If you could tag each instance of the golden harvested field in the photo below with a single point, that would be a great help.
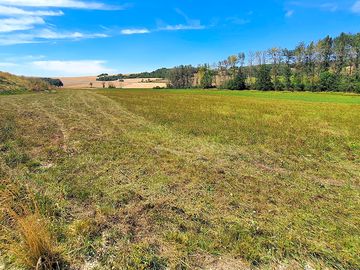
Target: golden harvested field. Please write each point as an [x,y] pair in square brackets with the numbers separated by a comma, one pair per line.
[84,82]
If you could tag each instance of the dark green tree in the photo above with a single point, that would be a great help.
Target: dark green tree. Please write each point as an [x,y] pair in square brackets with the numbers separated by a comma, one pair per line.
[328,81]
[238,82]
[263,78]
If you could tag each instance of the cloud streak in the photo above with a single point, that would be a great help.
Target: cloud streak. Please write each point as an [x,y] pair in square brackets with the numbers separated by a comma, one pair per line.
[72,68]
[17,24]
[356,7]
[45,35]
[14,11]
[58,3]
[135,31]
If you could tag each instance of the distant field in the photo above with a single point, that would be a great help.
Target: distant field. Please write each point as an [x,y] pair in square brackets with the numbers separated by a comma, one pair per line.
[181,179]
[84,82]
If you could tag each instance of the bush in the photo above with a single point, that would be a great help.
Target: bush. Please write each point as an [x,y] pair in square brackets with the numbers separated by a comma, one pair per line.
[111,86]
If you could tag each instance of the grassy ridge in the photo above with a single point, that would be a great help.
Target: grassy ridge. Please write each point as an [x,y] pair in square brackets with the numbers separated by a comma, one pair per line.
[11,84]
[153,179]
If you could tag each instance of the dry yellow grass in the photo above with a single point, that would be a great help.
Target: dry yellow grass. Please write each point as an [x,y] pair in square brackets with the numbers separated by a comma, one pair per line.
[26,236]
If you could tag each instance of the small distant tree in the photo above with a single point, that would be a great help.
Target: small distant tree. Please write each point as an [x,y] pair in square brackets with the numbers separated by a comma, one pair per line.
[91,85]
[263,80]
[111,85]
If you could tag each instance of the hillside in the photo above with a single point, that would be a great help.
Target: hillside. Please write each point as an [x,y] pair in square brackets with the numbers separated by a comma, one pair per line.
[208,180]
[12,83]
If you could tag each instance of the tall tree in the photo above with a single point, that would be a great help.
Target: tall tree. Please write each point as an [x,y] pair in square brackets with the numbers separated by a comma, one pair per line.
[263,78]
[288,56]
[325,49]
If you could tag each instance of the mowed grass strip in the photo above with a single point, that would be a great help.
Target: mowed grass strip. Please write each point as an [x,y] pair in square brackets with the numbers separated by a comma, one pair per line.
[150,179]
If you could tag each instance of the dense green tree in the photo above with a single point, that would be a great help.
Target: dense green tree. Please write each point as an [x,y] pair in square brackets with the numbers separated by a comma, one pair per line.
[263,78]
[207,75]
[288,56]
[238,82]
[328,81]
[325,53]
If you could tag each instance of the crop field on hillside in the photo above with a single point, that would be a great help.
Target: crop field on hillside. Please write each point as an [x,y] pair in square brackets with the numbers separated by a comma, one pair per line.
[179,179]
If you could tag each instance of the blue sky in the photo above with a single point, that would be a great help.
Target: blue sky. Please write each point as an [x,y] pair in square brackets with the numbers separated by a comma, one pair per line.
[75,38]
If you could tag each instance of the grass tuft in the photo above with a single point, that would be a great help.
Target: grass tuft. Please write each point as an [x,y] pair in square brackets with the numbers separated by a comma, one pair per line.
[26,234]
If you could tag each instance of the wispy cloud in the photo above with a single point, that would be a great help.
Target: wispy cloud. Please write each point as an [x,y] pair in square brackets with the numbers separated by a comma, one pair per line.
[21,20]
[135,31]
[16,24]
[59,3]
[356,7]
[45,35]
[72,68]
[7,64]
[237,20]
[50,34]
[326,6]
[178,27]
[190,24]
[289,13]
[15,11]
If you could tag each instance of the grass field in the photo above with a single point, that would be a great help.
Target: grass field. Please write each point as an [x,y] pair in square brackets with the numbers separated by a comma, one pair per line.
[180,179]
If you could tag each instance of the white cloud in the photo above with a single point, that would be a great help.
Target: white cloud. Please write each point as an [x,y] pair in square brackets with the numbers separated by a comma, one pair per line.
[237,20]
[356,7]
[20,18]
[329,6]
[57,3]
[50,34]
[7,64]
[16,24]
[71,68]
[190,24]
[45,35]
[289,13]
[135,31]
[181,27]
[14,11]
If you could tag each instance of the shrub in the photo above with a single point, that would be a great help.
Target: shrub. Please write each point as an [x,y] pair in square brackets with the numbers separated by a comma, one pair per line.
[111,86]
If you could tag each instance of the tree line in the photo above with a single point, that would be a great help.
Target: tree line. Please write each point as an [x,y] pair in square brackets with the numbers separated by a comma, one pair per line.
[159,73]
[329,64]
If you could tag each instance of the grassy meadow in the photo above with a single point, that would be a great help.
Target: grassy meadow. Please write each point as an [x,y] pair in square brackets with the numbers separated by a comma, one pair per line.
[179,179]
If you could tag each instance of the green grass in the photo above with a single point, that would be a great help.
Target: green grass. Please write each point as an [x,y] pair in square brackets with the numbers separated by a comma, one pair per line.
[332,97]
[187,179]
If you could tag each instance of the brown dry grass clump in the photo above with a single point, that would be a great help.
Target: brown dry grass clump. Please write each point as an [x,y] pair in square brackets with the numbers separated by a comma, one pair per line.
[25,233]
